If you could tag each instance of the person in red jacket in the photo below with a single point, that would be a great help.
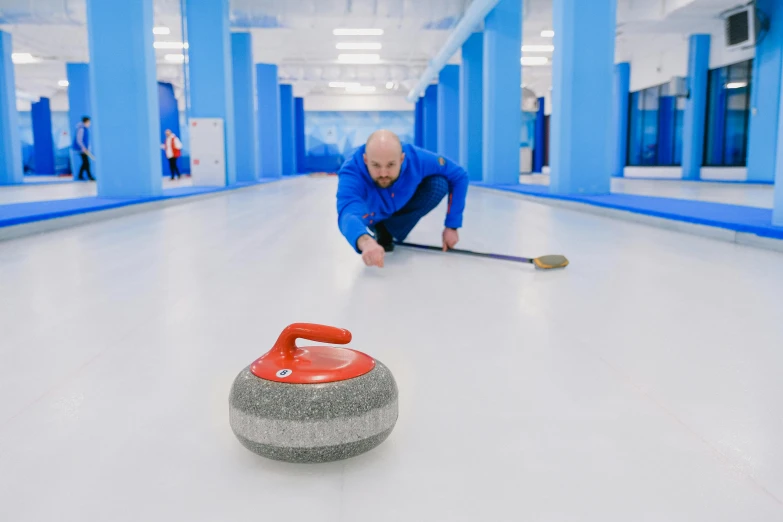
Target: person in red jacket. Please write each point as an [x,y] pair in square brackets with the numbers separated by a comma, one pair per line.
[173,148]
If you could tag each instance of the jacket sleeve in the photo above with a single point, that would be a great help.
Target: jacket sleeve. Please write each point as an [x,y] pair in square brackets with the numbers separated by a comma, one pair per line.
[351,207]
[457,177]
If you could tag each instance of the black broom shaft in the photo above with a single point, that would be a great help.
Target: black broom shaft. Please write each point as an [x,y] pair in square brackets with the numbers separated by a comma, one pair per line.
[471,253]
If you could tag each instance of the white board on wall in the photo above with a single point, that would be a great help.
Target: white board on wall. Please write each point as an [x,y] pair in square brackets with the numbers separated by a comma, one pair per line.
[207,152]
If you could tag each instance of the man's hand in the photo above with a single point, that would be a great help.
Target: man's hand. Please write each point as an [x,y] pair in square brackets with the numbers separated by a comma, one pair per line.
[450,238]
[372,252]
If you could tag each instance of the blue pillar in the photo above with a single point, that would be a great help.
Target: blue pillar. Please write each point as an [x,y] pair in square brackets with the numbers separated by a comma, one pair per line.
[621,93]
[126,131]
[667,106]
[430,119]
[209,70]
[299,135]
[471,120]
[764,95]
[10,143]
[287,129]
[694,118]
[448,112]
[270,147]
[582,150]
[244,107]
[538,139]
[79,103]
[418,123]
[502,118]
[43,141]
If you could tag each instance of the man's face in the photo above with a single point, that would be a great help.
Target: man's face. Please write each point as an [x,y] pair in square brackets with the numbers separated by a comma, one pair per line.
[168,132]
[87,123]
[384,165]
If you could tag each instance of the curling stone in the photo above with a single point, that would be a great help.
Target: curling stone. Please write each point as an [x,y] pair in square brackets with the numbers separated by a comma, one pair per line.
[313,403]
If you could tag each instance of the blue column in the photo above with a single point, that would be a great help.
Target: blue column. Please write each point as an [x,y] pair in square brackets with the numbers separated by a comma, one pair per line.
[270,146]
[418,123]
[448,112]
[126,131]
[244,107]
[502,118]
[694,118]
[582,150]
[538,139]
[764,95]
[209,70]
[10,143]
[430,119]
[667,105]
[287,129]
[43,141]
[621,93]
[79,102]
[471,120]
[299,135]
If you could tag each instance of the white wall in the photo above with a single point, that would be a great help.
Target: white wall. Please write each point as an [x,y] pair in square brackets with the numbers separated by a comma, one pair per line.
[359,102]
[666,56]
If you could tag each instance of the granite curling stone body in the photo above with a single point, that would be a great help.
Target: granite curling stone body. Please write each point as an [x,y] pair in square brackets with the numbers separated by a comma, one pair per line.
[314,403]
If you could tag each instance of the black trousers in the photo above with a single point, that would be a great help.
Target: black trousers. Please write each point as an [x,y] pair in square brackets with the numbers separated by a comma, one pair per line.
[85,167]
[173,167]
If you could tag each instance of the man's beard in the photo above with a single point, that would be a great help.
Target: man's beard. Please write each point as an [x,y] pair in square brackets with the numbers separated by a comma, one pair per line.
[390,183]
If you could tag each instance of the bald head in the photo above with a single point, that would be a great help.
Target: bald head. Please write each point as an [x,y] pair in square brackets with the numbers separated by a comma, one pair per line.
[383,156]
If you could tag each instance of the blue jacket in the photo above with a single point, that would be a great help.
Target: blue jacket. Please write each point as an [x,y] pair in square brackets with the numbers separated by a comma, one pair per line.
[360,202]
[82,136]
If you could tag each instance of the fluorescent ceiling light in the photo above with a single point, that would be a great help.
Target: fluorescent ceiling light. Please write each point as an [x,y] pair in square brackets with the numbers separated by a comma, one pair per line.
[161,30]
[63,83]
[538,48]
[170,45]
[178,58]
[358,58]
[357,32]
[548,33]
[344,84]
[359,46]
[360,89]
[390,85]
[20,58]
[736,85]
[534,60]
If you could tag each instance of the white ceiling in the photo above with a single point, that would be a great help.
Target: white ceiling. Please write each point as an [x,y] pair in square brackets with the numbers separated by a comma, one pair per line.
[297,35]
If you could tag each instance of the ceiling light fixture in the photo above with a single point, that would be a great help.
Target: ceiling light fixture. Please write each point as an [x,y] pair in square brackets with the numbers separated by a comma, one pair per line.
[176,58]
[390,85]
[161,29]
[358,58]
[548,33]
[357,32]
[63,83]
[736,85]
[358,46]
[23,58]
[534,60]
[538,48]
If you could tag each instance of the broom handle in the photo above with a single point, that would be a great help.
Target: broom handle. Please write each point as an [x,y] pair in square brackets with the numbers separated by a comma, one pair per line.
[471,253]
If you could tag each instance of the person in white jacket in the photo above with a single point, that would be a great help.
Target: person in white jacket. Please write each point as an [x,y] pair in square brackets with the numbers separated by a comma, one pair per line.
[173,148]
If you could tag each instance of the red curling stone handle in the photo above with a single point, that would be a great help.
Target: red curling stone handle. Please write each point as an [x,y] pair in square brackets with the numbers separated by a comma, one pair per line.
[286,343]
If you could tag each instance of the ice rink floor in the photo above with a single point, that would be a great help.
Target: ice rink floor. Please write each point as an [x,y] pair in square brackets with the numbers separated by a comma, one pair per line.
[640,383]
[730,193]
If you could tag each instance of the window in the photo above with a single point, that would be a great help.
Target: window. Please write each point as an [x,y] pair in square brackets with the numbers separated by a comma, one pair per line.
[655,128]
[728,108]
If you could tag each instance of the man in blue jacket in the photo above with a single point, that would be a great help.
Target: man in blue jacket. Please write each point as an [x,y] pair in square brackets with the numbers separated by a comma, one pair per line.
[81,144]
[387,187]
